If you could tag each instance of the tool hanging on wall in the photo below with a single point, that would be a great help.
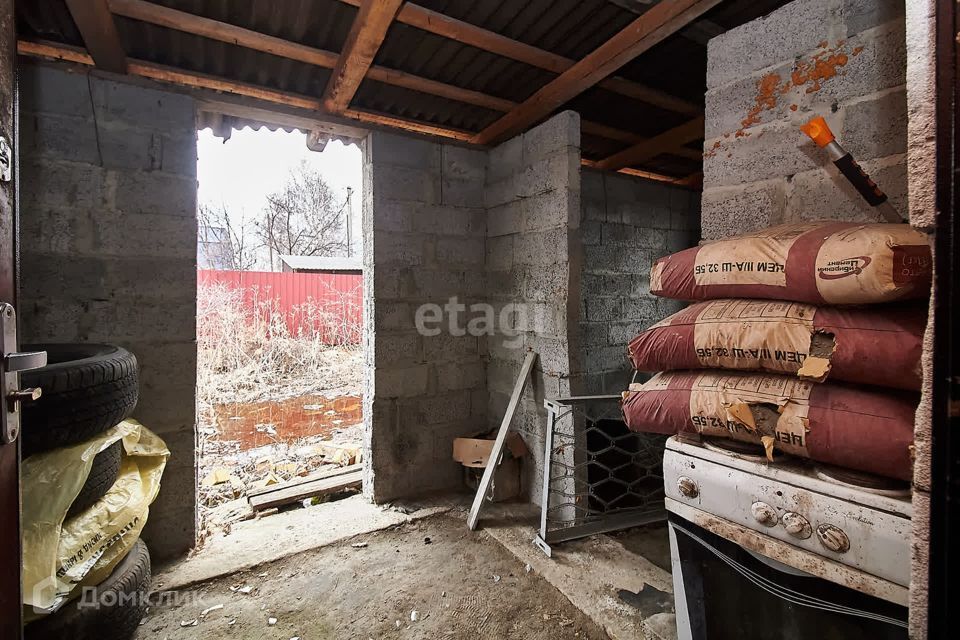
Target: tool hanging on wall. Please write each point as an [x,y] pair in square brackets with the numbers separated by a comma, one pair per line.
[820,133]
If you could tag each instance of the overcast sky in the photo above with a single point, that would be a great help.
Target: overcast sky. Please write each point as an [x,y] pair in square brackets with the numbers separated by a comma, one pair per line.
[242,171]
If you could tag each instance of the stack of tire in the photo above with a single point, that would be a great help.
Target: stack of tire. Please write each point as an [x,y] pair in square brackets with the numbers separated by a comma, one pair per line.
[804,339]
[87,389]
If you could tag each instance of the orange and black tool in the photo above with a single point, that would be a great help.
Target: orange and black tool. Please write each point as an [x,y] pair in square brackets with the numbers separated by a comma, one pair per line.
[820,133]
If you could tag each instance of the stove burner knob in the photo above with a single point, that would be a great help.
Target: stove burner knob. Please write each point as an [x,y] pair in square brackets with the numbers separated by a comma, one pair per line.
[833,538]
[796,525]
[687,487]
[764,513]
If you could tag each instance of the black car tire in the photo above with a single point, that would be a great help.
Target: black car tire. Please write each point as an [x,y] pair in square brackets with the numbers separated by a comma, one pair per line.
[103,474]
[121,603]
[86,389]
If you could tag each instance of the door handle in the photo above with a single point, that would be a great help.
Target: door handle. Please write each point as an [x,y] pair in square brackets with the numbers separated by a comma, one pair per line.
[13,363]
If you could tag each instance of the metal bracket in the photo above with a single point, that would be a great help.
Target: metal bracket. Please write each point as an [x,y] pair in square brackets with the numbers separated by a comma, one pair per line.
[543,546]
[11,395]
[6,160]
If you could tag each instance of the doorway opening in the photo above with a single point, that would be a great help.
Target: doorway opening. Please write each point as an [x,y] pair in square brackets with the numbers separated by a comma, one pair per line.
[279,324]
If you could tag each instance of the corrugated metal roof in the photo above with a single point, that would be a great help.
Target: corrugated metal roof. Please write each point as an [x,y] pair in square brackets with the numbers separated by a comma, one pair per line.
[322,263]
[570,28]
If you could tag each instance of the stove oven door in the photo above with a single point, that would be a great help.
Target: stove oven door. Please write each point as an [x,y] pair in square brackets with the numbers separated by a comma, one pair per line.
[722,591]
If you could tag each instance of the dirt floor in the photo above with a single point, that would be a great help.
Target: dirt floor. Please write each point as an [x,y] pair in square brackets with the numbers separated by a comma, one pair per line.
[427,579]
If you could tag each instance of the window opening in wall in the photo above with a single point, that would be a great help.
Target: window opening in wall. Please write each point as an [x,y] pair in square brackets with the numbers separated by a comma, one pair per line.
[279,329]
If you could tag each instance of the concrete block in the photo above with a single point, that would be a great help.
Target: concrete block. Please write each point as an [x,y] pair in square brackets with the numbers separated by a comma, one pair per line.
[455,250]
[621,333]
[877,126]
[406,382]
[601,309]
[58,231]
[138,104]
[643,213]
[772,151]
[437,284]
[880,64]
[505,219]
[678,241]
[59,137]
[504,160]
[137,192]
[394,215]
[547,282]
[446,347]
[553,354]
[541,248]
[642,309]
[55,319]
[455,376]
[116,235]
[609,259]
[505,347]
[398,349]
[860,15]
[443,220]
[54,90]
[180,155]
[731,211]
[408,249]
[393,316]
[594,334]
[463,163]
[688,220]
[789,31]
[558,171]
[462,192]
[501,192]
[590,232]
[57,185]
[449,407]
[388,148]
[640,285]
[406,184]
[606,284]
[499,253]
[824,194]
[599,359]
[553,136]
[127,147]
[506,284]
[548,210]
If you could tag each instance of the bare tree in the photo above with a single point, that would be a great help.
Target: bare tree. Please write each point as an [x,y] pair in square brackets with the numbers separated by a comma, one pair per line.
[303,218]
[226,243]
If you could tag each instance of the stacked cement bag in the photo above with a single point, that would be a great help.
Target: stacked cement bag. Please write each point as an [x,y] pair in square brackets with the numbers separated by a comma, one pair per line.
[782,363]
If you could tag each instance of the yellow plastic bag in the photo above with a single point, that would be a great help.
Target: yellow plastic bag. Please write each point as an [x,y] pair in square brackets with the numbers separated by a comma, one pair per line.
[59,557]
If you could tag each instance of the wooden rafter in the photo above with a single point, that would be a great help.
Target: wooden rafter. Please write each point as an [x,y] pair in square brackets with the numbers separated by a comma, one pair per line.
[441,25]
[224,32]
[99,33]
[364,40]
[652,27]
[663,143]
[183,78]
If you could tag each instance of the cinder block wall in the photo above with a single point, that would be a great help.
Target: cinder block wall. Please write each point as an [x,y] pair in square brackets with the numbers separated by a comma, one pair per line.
[627,222]
[423,205]
[533,263]
[108,249]
[842,59]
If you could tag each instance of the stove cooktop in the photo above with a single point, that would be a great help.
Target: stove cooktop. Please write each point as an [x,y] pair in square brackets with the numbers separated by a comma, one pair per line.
[850,529]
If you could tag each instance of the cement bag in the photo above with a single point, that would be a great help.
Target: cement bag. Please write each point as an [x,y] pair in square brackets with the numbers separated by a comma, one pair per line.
[850,427]
[59,557]
[868,345]
[816,262]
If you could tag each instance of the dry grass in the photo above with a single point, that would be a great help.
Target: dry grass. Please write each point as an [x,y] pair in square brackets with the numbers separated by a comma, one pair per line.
[246,352]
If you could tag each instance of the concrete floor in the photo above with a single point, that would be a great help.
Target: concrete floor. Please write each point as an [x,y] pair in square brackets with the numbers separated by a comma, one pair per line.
[304,571]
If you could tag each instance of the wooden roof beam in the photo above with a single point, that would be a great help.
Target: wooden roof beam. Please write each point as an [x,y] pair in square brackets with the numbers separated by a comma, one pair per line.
[232,34]
[99,33]
[656,24]
[663,143]
[364,40]
[492,42]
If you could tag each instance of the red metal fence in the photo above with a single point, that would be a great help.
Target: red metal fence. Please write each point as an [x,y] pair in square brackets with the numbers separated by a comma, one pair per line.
[325,304]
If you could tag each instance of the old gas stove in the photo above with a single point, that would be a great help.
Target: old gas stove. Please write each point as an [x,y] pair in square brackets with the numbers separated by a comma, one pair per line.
[829,544]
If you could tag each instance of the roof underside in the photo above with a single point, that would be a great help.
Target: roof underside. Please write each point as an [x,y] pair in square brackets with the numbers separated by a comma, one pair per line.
[569,28]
